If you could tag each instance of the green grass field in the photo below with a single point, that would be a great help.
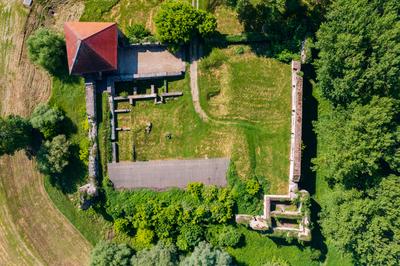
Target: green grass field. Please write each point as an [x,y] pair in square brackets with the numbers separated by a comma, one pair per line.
[253,94]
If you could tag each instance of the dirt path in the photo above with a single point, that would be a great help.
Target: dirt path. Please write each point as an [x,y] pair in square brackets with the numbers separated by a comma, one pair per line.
[194,84]
[32,230]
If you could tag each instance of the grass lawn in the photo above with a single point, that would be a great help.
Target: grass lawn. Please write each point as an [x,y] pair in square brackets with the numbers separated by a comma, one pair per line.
[190,137]
[251,94]
[128,12]
[227,21]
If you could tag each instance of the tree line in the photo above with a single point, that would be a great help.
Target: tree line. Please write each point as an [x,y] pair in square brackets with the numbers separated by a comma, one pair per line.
[358,72]
[40,135]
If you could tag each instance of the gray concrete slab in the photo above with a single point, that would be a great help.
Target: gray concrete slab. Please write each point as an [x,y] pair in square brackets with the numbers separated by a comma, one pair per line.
[164,174]
[148,61]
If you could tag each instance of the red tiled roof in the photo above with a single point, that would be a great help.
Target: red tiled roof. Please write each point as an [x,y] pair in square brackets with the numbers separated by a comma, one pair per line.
[91,46]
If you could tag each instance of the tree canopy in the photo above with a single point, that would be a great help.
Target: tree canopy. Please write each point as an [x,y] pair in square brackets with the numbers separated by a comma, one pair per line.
[360,143]
[47,119]
[53,155]
[205,255]
[160,254]
[47,49]
[178,22]
[107,254]
[359,50]
[15,134]
[366,224]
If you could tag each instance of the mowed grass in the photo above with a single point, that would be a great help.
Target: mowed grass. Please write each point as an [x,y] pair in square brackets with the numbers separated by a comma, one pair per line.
[227,20]
[254,94]
[128,12]
[190,137]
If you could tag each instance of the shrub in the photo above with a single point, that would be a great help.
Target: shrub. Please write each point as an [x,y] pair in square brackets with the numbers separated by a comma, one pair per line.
[106,254]
[124,94]
[195,189]
[84,150]
[190,236]
[277,262]
[286,56]
[137,33]
[205,255]
[223,236]
[239,50]
[53,155]
[47,49]
[214,60]
[252,186]
[121,225]
[47,120]
[143,238]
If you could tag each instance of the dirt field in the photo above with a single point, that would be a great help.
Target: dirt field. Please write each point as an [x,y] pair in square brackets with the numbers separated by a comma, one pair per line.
[32,230]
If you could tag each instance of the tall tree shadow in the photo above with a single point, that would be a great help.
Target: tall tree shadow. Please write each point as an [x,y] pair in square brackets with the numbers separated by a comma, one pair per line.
[309,137]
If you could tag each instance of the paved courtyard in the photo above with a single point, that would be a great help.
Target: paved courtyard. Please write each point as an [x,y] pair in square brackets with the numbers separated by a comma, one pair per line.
[164,174]
[146,60]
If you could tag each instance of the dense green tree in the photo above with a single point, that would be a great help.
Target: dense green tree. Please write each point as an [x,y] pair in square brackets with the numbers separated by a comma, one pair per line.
[205,255]
[360,143]
[47,49]
[160,254]
[223,236]
[111,254]
[365,224]
[143,238]
[189,237]
[121,225]
[178,22]
[53,155]
[47,119]
[15,134]
[359,50]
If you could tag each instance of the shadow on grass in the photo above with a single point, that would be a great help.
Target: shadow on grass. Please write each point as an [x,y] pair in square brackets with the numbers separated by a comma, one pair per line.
[68,127]
[74,173]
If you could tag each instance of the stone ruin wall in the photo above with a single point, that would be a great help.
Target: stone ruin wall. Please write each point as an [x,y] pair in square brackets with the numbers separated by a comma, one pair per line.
[263,222]
[90,188]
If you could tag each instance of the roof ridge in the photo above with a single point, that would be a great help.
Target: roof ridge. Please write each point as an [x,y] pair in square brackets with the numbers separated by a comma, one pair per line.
[90,48]
[79,44]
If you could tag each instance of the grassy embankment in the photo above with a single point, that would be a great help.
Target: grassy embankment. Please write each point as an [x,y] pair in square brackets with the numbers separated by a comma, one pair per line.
[69,95]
